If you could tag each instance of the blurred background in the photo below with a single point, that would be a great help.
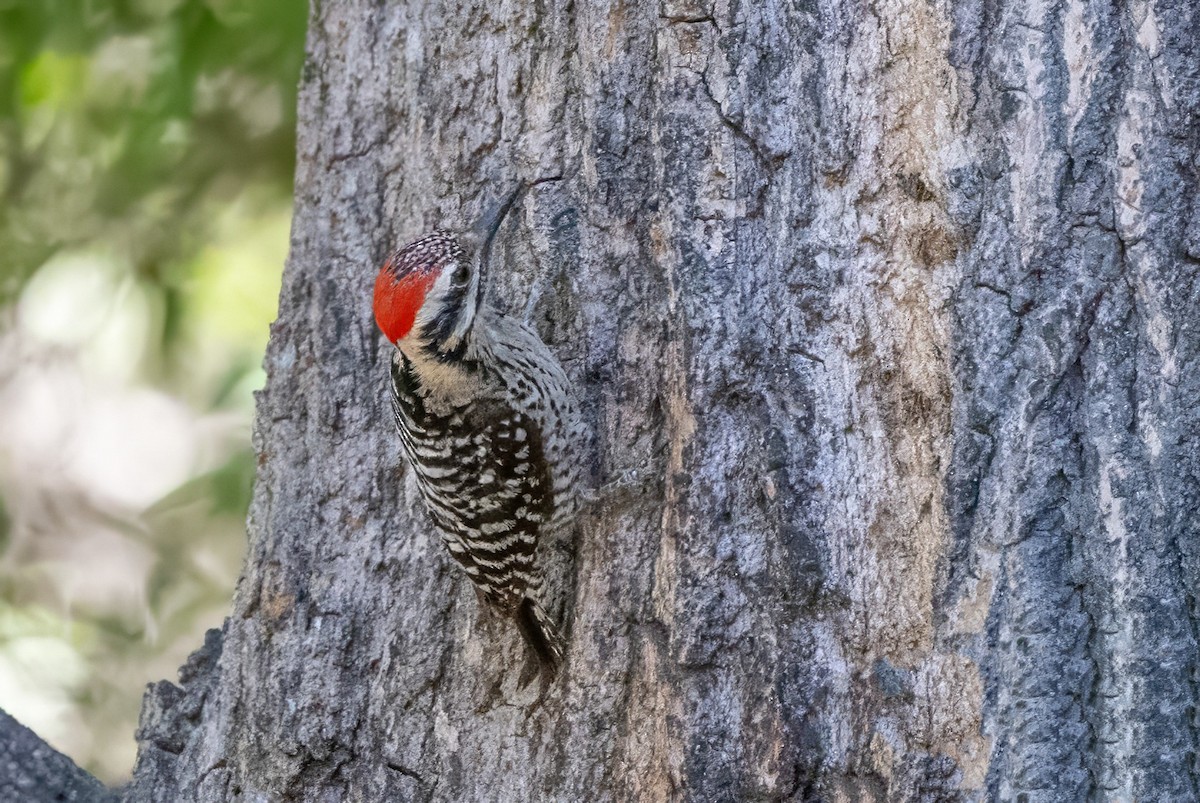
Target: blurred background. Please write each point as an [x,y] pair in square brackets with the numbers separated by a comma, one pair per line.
[146,156]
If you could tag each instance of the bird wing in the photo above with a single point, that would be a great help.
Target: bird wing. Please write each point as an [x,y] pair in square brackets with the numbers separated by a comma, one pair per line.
[483,474]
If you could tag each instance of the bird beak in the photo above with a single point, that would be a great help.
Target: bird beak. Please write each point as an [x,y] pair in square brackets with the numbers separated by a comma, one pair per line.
[484,230]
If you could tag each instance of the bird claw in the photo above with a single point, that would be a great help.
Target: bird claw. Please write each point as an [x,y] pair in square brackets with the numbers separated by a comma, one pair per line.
[626,482]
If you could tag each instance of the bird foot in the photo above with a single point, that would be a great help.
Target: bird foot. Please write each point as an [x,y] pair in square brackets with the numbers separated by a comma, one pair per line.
[626,482]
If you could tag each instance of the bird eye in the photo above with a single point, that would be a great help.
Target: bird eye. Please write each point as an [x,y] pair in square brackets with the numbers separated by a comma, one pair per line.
[462,274]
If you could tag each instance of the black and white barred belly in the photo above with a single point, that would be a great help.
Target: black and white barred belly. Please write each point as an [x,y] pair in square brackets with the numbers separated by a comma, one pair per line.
[487,484]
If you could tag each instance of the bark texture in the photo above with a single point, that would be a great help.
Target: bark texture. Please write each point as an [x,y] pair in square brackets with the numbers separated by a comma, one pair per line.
[884,316]
[32,771]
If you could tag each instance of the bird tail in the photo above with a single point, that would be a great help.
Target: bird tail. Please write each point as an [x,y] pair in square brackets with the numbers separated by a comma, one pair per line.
[542,637]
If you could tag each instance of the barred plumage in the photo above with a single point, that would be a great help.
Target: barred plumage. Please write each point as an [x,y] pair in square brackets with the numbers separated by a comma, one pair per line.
[486,420]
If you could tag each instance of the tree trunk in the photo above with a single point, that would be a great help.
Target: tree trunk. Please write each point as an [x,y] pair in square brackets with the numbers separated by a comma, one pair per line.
[32,771]
[884,317]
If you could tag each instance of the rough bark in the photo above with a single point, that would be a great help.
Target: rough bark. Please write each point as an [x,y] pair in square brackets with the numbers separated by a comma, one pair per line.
[32,771]
[889,305]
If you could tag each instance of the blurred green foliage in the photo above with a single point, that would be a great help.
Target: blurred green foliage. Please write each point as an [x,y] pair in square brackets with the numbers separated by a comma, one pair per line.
[126,125]
[146,160]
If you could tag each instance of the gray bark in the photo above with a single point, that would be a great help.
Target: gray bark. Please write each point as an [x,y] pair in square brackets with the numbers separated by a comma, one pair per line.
[32,771]
[890,307]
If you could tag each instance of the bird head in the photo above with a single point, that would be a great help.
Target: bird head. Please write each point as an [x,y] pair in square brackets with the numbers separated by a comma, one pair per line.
[423,281]
[429,291]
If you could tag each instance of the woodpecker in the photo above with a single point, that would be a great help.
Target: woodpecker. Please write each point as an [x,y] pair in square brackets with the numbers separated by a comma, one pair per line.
[486,418]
